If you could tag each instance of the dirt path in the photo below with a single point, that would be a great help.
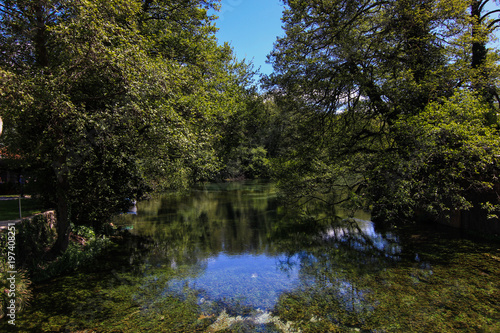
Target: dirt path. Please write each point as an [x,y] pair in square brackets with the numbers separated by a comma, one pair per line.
[5,224]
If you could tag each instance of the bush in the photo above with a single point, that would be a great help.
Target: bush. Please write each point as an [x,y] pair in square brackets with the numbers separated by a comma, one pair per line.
[75,256]
[34,237]
[84,231]
[257,164]
[249,162]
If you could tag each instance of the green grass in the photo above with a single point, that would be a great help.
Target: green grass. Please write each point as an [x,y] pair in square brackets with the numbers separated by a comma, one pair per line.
[9,209]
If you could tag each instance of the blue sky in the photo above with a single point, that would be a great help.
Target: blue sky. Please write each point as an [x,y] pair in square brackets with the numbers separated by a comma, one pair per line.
[251,28]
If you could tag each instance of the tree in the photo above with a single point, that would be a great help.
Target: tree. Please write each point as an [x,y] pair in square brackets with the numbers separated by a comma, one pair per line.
[75,124]
[107,101]
[250,138]
[318,58]
[451,163]
[351,72]
[482,27]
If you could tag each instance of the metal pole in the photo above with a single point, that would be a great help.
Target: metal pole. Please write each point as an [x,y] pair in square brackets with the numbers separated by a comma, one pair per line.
[21,194]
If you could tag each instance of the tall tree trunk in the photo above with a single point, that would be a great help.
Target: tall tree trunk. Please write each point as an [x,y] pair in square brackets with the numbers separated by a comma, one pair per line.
[63,212]
[478,45]
[40,38]
[145,5]
[483,83]
[62,228]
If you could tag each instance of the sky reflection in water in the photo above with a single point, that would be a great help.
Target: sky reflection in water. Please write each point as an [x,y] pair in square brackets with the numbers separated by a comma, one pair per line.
[225,250]
[234,236]
[249,280]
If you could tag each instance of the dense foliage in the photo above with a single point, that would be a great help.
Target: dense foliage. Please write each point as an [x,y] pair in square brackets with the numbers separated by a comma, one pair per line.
[395,105]
[386,105]
[390,105]
[106,101]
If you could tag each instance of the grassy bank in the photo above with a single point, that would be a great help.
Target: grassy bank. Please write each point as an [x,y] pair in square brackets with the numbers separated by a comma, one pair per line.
[9,209]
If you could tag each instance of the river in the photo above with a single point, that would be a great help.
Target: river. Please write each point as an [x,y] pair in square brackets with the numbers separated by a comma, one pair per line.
[227,257]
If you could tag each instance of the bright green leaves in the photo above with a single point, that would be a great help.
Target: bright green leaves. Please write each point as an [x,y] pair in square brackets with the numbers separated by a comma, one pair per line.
[451,157]
[130,96]
[371,86]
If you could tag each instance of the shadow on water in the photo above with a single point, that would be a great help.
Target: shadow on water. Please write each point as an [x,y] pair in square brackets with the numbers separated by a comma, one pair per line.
[228,257]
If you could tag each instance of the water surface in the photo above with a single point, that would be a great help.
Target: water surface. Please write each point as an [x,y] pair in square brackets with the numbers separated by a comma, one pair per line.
[228,256]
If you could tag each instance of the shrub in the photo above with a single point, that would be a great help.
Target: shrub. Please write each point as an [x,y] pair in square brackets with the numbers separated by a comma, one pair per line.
[34,237]
[75,256]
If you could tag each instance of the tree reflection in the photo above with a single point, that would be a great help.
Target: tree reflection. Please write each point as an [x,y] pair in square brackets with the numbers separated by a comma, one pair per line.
[234,247]
[337,259]
[329,254]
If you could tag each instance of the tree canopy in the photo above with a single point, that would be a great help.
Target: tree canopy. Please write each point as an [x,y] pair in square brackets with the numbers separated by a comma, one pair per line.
[106,101]
[376,86]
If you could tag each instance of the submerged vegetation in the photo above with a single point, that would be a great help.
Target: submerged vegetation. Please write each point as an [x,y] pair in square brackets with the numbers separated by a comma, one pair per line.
[385,107]
[339,278]
[390,107]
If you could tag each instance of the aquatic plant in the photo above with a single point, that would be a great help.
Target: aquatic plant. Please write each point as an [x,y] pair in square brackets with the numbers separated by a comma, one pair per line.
[75,256]
[331,279]
[225,321]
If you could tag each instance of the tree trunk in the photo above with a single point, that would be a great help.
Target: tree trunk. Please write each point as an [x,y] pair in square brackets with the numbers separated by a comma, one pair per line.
[40,38]
[478,45]
[63,213]
[482,83]
[63,228]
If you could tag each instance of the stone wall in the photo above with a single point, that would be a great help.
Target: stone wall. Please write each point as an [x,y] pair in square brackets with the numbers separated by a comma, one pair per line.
[50,216]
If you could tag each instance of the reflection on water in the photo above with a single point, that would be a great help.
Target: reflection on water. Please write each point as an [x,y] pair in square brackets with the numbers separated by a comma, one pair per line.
[246,280]
[234,251]
[361,235]
[248,255]
[229,256]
